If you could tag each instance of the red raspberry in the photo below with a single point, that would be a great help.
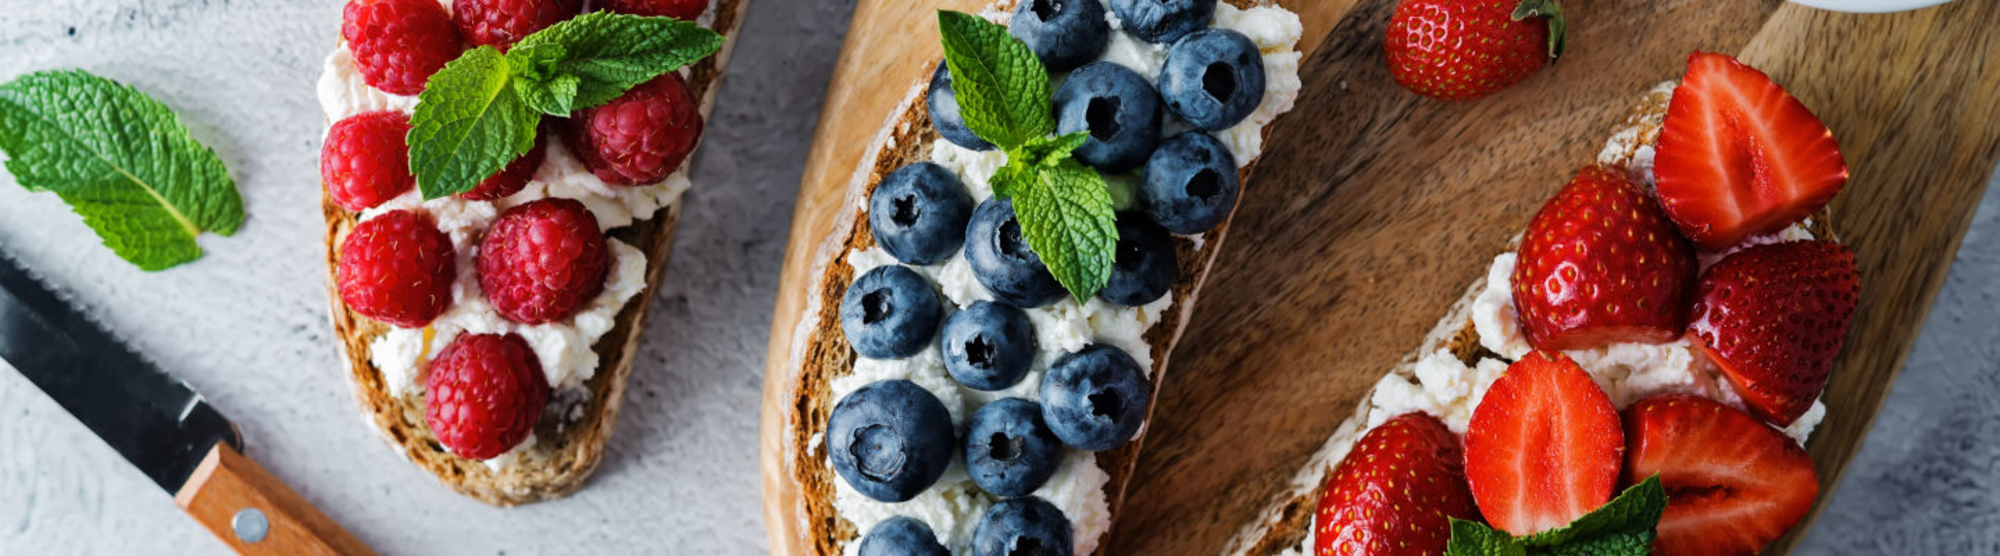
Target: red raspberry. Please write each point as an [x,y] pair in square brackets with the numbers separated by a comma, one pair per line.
[396,268]
[511,179]
[678,9]
[485,392]
[397,44]
[499,23]
[364,160]
[639,137]
[543,260]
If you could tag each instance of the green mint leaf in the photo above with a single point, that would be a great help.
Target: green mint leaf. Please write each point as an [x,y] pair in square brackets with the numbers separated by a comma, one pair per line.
[1065,215]
[1637,509]
[469,124]
[121,160]
[593,58]
[1002,89]
[1472,538]
[1626,526]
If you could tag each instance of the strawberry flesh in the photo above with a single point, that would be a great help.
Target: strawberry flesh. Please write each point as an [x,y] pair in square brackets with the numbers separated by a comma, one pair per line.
[1733,484]
[1544,446]
[1395,492]
[1601,264]
[1774,317]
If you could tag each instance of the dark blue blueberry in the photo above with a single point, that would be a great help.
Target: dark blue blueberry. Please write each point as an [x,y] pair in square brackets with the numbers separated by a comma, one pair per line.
[944,112]
[988,346]
[1063,33]
[1001,260]
[1190,183]
[1145,264]
[1119,109]
[1213,78]
[1023,527]
[890,440]
[902,536]
[1009,450]
[1095,399]
[1162,21]
[918,213]
[890,312]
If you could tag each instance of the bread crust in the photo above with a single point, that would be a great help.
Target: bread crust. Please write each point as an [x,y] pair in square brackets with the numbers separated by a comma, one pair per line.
[566,451]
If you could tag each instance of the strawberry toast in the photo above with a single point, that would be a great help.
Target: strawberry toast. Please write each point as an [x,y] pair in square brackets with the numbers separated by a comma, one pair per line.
[1638,376]
[498,205]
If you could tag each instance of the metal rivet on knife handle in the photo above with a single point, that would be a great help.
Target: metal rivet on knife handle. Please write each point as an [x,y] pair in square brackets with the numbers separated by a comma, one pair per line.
[250,525]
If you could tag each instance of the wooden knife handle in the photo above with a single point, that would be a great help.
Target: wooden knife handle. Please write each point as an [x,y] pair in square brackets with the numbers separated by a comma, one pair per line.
[228,485]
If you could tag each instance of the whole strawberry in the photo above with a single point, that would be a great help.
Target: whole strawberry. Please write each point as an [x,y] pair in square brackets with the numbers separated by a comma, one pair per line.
[1773,317]
[1600,264]
[1467,49]
[1395,492]
[484,394]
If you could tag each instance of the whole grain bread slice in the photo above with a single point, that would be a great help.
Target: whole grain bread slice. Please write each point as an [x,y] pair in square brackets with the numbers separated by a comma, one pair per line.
[570,441]
[798,484]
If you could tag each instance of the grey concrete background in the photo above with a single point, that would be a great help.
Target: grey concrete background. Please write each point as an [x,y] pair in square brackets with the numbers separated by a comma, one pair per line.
[247,326]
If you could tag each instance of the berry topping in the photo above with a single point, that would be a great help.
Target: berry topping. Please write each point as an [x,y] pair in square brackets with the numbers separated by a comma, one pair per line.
[500,23]
[1738,156]
[1162,21]
[890,440]
[483,394]
[1145,265]
[1395,492]
[1733,484]
[1119,109]
[1773,317]
[1096,399]
[918,213]
[1023,526]
[1213,78]
[1190,183]
[364,160]
[1468,49]
[1009,450]
[542,260]
[943,104]
[639,137]
[1601,264]
[397,44]
[1002,261]
[686,10]
[1544,446]
[988,346]
[1064,34]
[890,312]
[396,268]
[901,536]
[514,177]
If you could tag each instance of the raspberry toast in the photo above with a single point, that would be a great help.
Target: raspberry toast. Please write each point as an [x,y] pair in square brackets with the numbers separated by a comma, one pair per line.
[526,350]
[1015,476]
[1708,407]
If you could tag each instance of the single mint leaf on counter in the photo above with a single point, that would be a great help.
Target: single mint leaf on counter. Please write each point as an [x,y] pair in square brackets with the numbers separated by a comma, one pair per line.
[1625,526]
[469,123]
[1065,214]
[1002,89]
[121,160]
[593,58]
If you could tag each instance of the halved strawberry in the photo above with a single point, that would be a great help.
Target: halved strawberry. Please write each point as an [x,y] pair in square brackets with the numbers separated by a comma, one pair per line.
[1773,317]
[1738,156]
[1601,264]
[1544,446]
[1733,484]
[1395,492]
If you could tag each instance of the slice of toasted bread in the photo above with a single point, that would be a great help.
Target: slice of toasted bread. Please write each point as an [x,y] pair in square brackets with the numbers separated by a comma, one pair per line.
[569,443]
[798,483]
[1284,524]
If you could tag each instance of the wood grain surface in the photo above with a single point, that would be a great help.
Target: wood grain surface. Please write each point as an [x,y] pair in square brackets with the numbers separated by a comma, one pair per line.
[1373,208]
[226,483]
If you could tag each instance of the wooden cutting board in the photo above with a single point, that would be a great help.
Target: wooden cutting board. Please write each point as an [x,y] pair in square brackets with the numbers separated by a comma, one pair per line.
[1373,209]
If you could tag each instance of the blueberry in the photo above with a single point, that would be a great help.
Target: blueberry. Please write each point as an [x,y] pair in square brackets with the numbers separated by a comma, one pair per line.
[1145,264]
[890,312]
[944,112]
[1119,109]
[901,536]
[1001,260]
[890,440]
[1009,450]
[1095,399]
[1162,21]
[1023,527]
[1213,78]
[988,346]
[1063,33]
[1190,183]
[918,213]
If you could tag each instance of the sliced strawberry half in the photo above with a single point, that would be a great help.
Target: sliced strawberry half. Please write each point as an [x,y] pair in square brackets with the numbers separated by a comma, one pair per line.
[1773,317]
[1544,446]
[1738,156]
[1395,492]
[1601,264]
[1733,484]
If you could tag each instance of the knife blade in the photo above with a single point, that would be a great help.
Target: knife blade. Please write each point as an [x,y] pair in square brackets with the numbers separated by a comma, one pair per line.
[157,423]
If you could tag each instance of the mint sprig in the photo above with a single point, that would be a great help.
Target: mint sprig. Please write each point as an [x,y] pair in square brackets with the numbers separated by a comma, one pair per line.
[1064,207]
[1624,526]
[121,160]
[480,112]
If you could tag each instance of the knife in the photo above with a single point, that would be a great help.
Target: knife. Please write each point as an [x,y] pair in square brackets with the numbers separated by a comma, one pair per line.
[159,424]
